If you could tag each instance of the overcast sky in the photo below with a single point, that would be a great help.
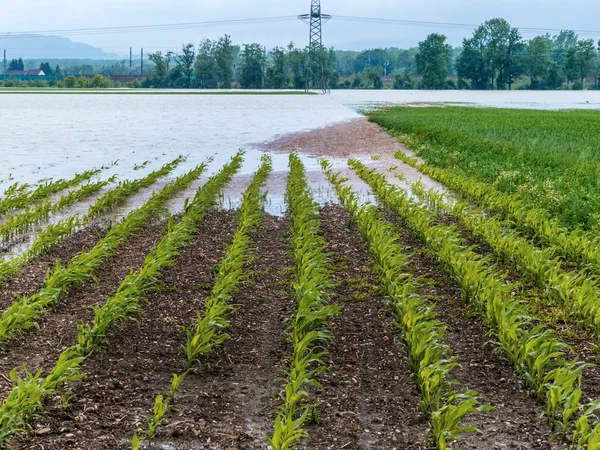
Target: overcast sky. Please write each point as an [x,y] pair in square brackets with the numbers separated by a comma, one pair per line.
[35,15]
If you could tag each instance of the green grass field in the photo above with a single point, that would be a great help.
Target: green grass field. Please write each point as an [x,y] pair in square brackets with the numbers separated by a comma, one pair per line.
[549,158]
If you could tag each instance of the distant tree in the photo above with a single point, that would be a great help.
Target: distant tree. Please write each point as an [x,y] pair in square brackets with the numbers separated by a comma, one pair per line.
[16,64]
[47,69]
[185,62]
[160,70]
[70,81]
[371,78]
[297,60]
[471,64]
[570,65]
[252,66]
[555,76]
[276,76]
[223,54]
[98,81]
[580,59]
[402,80]
[561,44]
[432,61]
[537,59]
[58,71]
[206,65]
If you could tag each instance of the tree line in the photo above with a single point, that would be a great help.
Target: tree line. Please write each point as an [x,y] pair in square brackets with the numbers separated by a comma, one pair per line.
[497,57]
[494,57]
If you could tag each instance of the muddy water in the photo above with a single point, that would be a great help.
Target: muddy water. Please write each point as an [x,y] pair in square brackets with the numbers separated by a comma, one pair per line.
[130,136]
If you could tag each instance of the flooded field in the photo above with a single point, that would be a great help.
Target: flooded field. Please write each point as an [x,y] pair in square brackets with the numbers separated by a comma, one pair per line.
[57,135]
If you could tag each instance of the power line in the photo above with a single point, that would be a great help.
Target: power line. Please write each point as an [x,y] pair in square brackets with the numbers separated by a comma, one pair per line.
[450,25]
[144,28]
[264,20]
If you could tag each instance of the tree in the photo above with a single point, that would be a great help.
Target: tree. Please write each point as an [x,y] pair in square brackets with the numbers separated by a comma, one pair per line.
[579,60]
[47,69]
[585,54]
[206,65]
[536,59]
[185,62]
[432,61]
[16,64]
[402,80]
[252,66]
[276,76]
[471,65]
[161,69]
[371,78]
[570,66]
[297,60]
[561,44]
[223,54]
[70,81]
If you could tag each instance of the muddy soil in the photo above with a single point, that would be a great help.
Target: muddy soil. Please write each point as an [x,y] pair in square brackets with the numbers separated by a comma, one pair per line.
[30,280]
[229,402]
[122,381]
[368,400]
[343,140]
[515,423]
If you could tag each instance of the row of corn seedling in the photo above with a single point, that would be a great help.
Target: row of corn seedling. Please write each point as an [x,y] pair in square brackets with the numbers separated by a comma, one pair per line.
[127,188]
[576,292]
[580,247]
[21,198]
[21,315]
[206,332]
[310,331]
[19,223]
[534,352]
[54,233]
[30,390]
[422,334]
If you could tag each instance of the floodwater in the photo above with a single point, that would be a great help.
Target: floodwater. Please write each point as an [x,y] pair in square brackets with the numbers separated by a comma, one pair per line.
[55,135]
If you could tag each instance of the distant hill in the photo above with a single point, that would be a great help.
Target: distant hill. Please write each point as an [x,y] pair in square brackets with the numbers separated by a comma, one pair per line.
[49,47]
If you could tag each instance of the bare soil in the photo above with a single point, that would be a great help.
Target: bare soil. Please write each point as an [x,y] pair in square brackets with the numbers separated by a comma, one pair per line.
[346,139]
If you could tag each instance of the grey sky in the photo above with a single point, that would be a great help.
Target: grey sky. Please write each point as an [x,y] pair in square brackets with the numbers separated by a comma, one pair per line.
[33,15]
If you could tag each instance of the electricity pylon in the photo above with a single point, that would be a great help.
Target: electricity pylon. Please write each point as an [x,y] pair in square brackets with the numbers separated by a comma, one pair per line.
[315,47]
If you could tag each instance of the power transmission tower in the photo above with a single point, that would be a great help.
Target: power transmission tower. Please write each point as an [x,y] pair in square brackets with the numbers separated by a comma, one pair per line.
[130,61]
[315,47]
[142,61]
[4,63]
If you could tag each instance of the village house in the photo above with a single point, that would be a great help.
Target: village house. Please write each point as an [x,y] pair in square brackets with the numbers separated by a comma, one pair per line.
[25,73]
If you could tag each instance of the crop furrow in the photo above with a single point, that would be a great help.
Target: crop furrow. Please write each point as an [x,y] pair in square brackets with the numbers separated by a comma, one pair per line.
[310,331]
[578,246]
[21,198]
[535,354]
[423,335]
[55,233]
[22,313]
[28,392]
[206,332]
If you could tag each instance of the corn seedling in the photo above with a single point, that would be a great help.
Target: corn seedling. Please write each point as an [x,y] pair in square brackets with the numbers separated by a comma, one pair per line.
[21,198]
[55,233]
[207,332]
[27,393]
[22,313]
[310,332]
[422,334]
[533,351]
[575,292]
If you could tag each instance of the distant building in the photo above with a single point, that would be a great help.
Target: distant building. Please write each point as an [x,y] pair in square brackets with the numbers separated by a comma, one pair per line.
[25,73]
